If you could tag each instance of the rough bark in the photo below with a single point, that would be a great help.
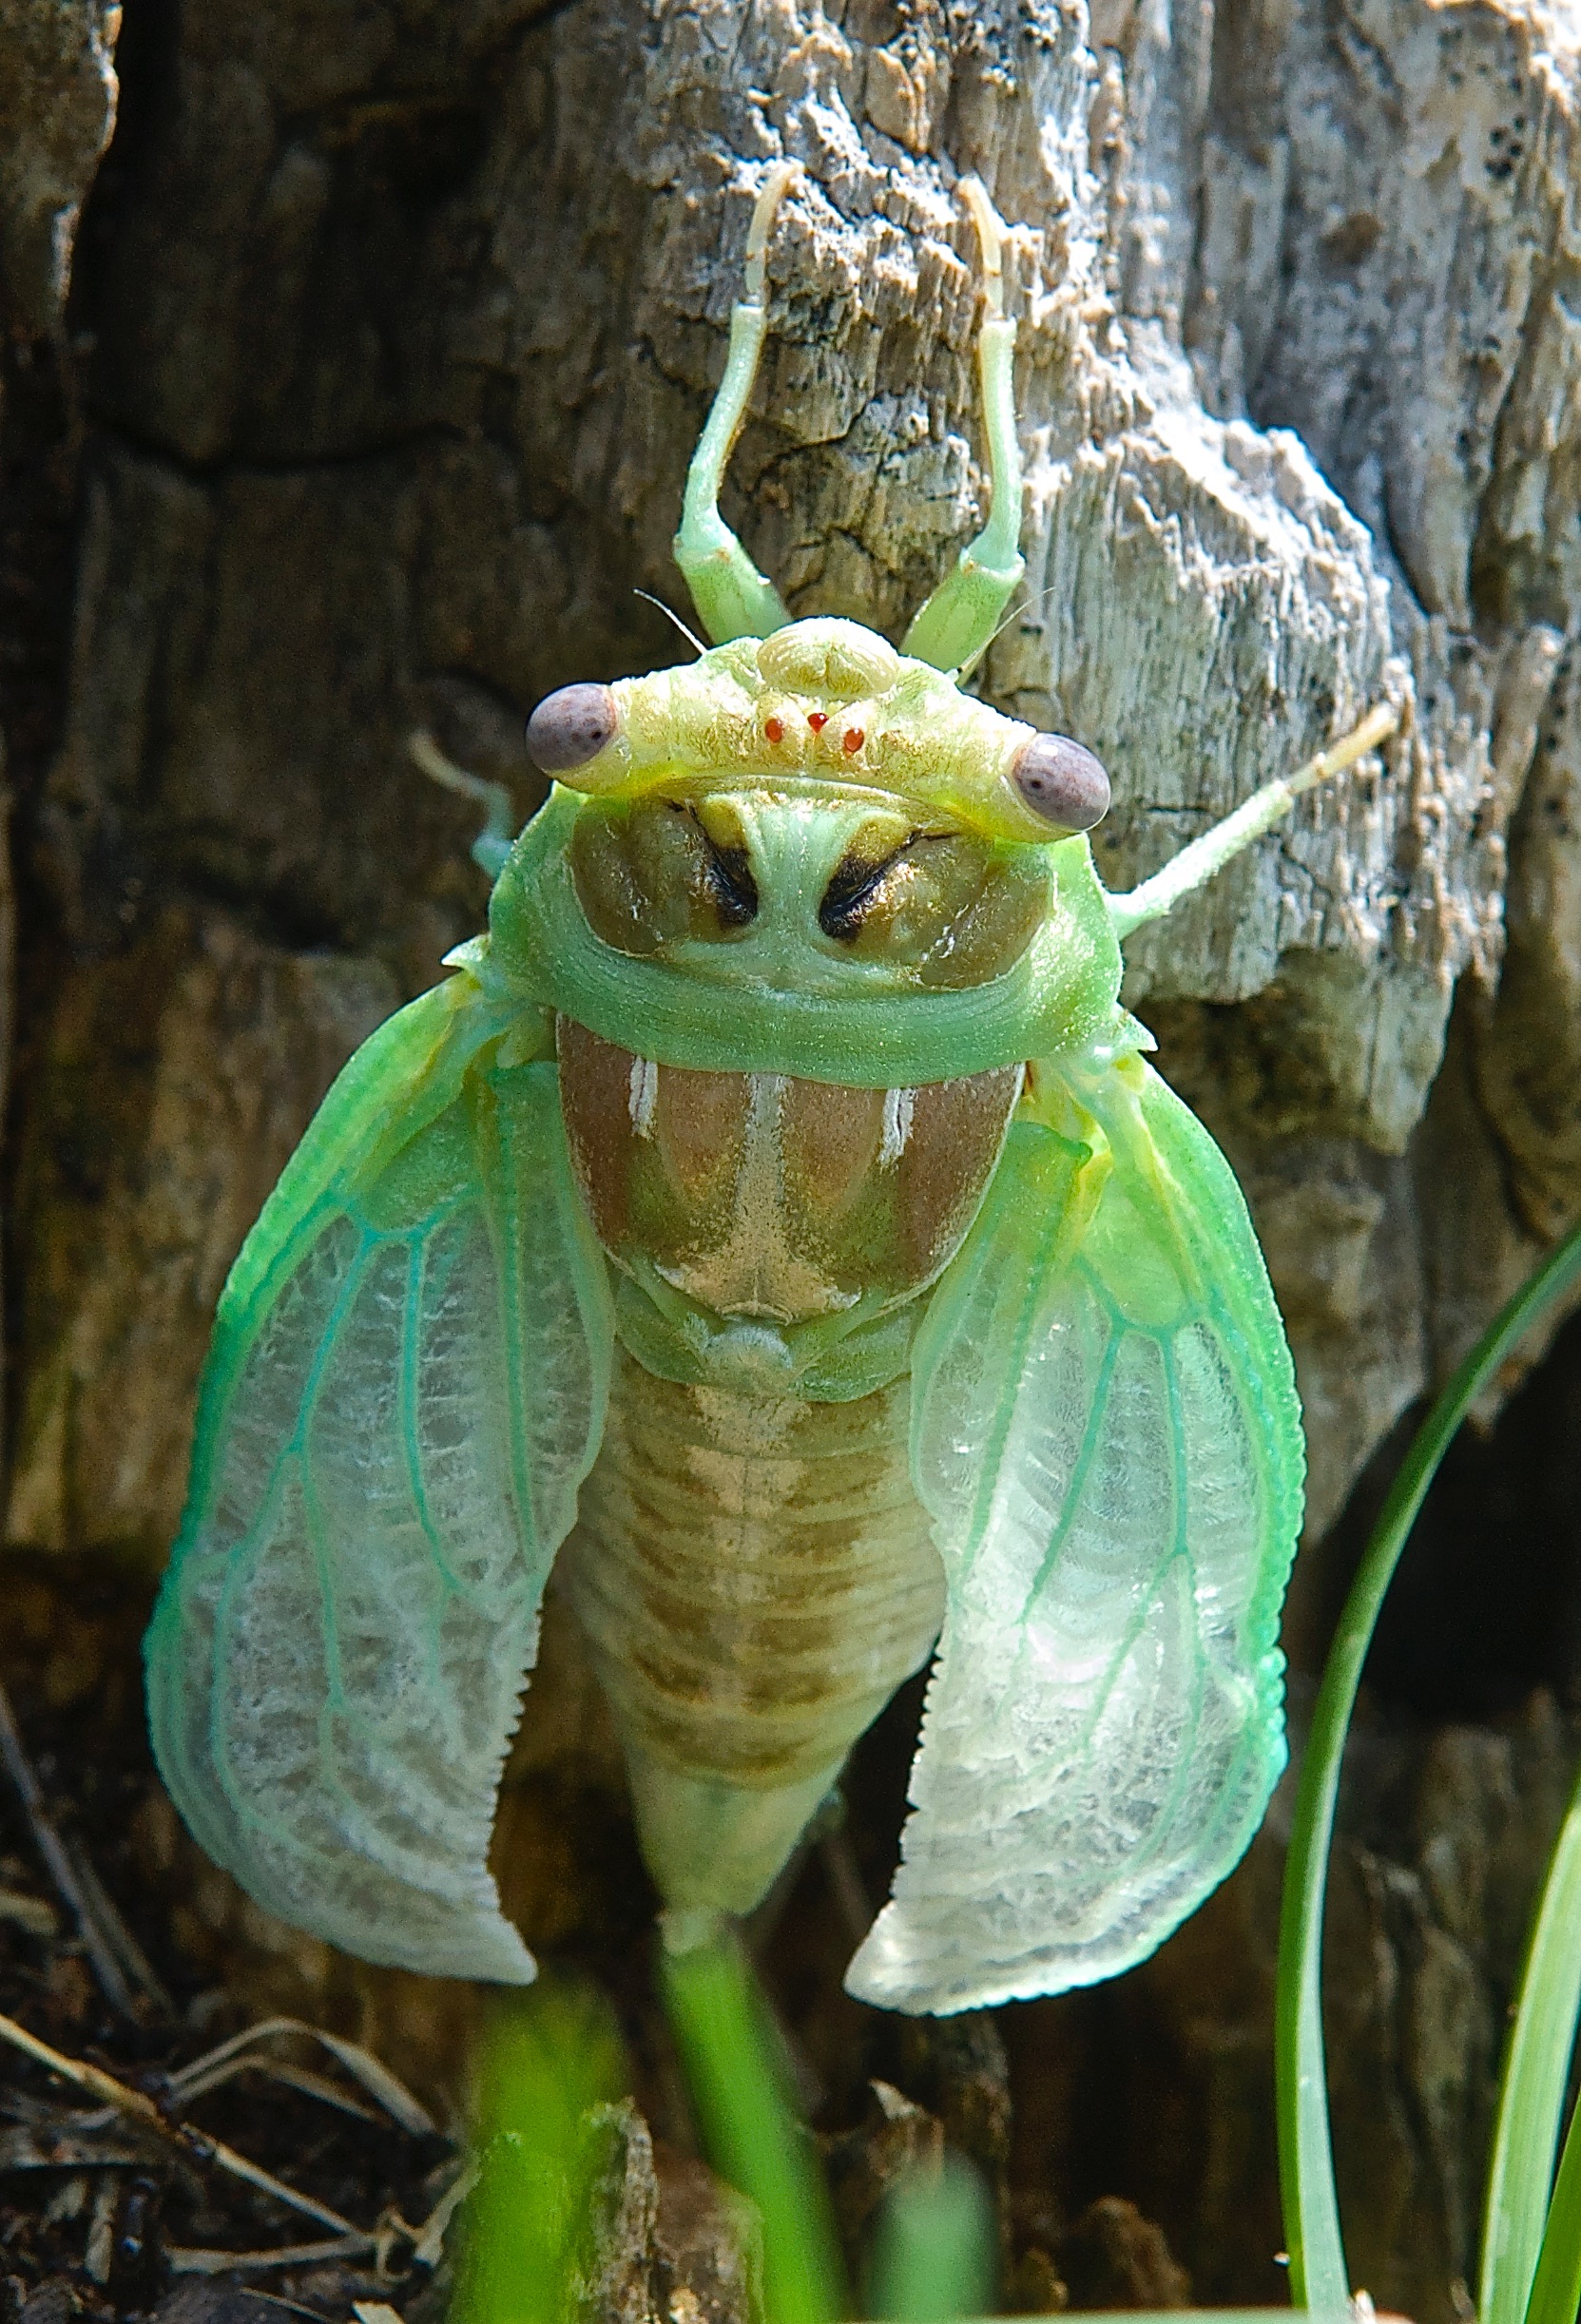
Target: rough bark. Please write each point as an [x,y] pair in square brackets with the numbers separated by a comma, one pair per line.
[57,110]
[390,335]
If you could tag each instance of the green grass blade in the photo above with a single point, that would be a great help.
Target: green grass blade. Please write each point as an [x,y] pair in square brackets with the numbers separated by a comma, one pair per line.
[551,2057]
[752,2134]
[934,2255]
[1319,2276]
[1556,2289]
[1532,2092]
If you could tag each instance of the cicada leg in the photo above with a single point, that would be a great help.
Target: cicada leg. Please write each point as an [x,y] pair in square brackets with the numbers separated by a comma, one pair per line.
[958,621]
[492,844]
[732,598]
[1197,862]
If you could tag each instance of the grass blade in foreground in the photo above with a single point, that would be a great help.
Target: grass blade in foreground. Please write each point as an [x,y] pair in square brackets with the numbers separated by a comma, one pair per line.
[1318,2274]
[752,2135]
[1557,2292]
[551,2059]
[936,2248]
[1531,2094]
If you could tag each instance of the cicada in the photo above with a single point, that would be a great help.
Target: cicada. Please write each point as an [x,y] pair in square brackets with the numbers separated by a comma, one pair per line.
[773,1221]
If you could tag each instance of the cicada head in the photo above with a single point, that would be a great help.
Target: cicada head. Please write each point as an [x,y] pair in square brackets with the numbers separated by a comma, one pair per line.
[820,804]
[811,819]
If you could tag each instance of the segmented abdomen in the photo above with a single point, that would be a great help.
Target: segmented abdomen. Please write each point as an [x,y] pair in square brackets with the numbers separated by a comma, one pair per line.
[756,1577]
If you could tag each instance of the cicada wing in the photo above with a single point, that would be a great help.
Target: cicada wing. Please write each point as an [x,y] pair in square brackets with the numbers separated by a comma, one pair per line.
[1106,1437]
[407,1384]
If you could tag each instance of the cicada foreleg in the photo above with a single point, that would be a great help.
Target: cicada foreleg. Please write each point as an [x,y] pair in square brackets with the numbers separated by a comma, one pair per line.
[732,598]
[492,844]
[957,623]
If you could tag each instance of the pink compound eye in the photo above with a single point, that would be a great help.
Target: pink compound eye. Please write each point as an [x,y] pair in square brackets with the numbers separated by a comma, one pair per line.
[570,728]
[1061,781]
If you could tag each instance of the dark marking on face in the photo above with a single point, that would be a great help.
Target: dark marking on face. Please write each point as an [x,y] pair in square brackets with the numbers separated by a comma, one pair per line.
[853,890]
[945,908]
[729,873]
[939,902]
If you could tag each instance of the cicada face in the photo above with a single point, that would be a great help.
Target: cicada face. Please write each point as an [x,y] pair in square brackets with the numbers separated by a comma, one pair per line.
[810,854]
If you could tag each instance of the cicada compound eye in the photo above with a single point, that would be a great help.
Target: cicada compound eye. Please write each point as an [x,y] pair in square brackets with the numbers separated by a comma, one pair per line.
[1061,781]
[569,727]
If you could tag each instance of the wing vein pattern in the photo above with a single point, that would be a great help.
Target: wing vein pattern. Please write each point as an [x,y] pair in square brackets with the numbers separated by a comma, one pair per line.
[407,1384]
[1107,1437]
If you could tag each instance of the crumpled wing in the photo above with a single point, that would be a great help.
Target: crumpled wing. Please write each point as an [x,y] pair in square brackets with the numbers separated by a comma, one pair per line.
[1106,1437]
[407,1383]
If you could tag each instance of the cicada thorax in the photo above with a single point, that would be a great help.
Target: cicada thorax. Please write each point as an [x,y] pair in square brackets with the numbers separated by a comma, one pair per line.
[751,1566]
[763,1196]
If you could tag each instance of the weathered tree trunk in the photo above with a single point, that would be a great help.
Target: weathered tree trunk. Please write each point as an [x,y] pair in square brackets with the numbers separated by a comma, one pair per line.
[390,333]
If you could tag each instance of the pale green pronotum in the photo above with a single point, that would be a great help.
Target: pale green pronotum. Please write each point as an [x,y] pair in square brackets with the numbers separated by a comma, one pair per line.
[804,860]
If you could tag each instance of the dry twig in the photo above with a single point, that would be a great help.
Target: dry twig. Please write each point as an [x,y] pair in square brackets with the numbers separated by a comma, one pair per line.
[101,1954]
[195,2144]
[361,2065]
[187,2259]
[105,1915]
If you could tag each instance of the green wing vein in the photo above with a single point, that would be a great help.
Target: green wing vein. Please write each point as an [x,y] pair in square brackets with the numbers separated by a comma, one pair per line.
[1106,1434]
[400,1404]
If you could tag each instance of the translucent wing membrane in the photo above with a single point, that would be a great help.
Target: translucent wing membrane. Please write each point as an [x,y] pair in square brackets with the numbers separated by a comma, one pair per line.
[1106,1437]
[407,1384]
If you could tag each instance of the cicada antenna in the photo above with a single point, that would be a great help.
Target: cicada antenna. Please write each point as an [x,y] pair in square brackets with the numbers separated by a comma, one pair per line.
[670,615]
[1018,613]
[957,624]
[732,598]
[1199,860]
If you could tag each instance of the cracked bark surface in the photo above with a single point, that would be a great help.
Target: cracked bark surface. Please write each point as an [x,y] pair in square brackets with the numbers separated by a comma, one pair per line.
[388,340]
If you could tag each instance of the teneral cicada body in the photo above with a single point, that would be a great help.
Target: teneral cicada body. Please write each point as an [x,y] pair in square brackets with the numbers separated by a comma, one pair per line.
[753,1566]
[773,1218]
